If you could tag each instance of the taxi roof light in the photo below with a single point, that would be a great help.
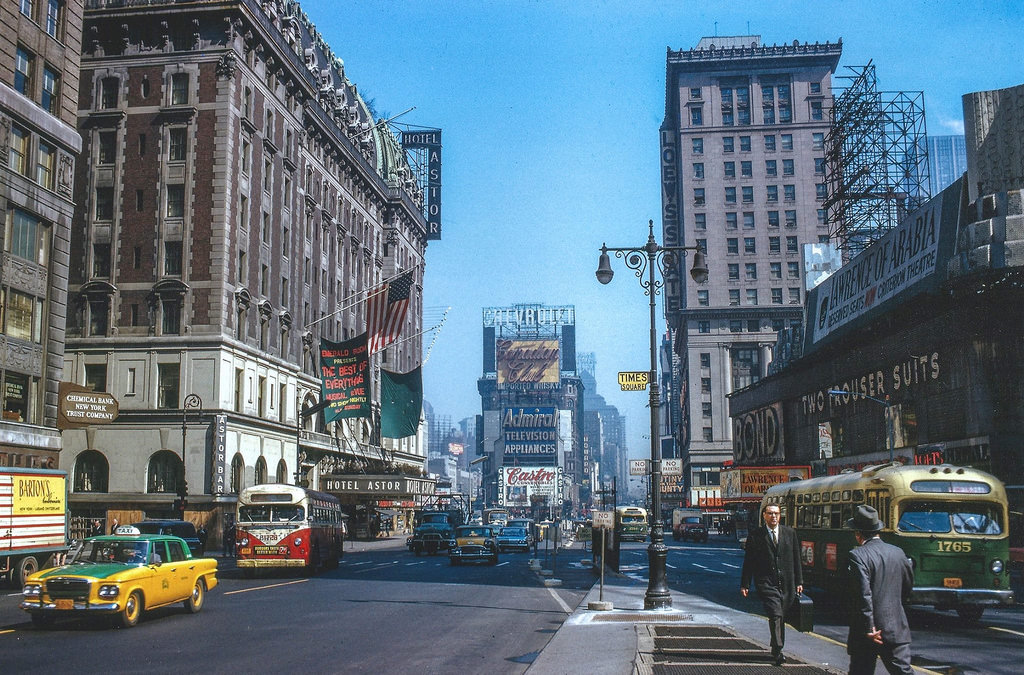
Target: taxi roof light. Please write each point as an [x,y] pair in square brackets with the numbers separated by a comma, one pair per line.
[127,530]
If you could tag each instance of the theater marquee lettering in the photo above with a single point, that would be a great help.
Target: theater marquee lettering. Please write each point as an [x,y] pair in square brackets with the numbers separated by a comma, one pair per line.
[907,374]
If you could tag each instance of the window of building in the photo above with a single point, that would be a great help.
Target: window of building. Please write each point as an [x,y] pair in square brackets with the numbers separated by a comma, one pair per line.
[820,191]
[142,145]
[774,245]
[696,116]
[793,270]
[785,114]
[268,127]
[707,435]
[140,200]
[794,296]
[791,245]
[178,141]
[698,196]
[54,21]
[104,203]
[744,143]
[46,163]
[748,220]
[706,408]
[727,118]
[170,320]
[773,219]
[99,316]
[96,376]
[736,325]
[21,315]
[821,216]
[771,193]
[179,89]
[702,298]
[787,141]
[778,324]
[697,144]
[749,245]
[237,473]
[172,258]
[243,269]
[168,378]
[734,296]
[790,218]
[265,228]
[165,470]
[702,244]
[107,147]
[730,220]
[788,168]
[27,8]
[818,140]
[176,201]
[91,472]
[746,366]
[700,221]
[24,62]
[246,156]
[705,385]
[101,260]
[51,91]
[751,296]
[746,169]
[695,92]
[753,325]
[819,165]
[728,144]
[261,471]
[730,195]
[816,110]
[705,359]
[789,193]
[19,397]
[730,169]
[109,87]
[734,271]
[698,170]
[748,194]
[703,326]
[769,143]
[732,245]
[17,159]
[775,270]
[768,113]
[137,257]
[815,87]
[750,270]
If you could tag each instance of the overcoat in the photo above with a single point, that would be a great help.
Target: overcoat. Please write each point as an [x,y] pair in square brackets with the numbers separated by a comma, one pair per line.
[774,570]
[882,579]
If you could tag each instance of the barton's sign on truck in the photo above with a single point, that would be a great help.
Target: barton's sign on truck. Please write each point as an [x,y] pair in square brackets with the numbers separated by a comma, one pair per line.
[78,406]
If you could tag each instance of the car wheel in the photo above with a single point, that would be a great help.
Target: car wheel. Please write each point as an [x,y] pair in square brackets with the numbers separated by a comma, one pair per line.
[26,567]
[195,601]
[41,621]
[970,613]
[129,616]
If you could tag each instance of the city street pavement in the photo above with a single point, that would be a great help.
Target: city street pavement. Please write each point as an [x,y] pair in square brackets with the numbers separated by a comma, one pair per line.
[616,642]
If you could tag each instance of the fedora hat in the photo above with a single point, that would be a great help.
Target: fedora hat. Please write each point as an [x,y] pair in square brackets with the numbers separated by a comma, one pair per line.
[865,519]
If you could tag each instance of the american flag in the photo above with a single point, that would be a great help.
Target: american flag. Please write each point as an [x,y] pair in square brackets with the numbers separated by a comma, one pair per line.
[386,312]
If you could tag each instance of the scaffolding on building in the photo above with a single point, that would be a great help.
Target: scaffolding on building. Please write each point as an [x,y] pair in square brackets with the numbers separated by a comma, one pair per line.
[876,160]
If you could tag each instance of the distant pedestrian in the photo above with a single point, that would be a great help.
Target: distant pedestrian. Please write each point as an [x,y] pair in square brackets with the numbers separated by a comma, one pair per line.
[881,579]
[229,539]
[113,526]
[772,562]
[96,529]
[202,535]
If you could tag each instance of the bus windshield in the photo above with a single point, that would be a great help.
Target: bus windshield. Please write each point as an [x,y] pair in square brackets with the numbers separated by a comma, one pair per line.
[265,513]
[961,517]
[633,519]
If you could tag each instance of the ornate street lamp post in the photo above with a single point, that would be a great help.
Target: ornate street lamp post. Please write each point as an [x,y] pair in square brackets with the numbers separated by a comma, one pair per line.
[640,260]
[192,402]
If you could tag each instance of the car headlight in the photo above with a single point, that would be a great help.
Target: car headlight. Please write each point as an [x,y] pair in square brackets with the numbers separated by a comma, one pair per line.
[109,591]
[244,541]
[32,591]
[298,541]
[996,567]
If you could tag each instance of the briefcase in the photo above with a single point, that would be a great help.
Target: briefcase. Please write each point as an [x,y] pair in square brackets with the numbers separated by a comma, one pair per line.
[801,614]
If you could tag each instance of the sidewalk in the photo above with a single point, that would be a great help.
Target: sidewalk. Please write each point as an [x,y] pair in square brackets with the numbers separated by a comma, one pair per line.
[609,643]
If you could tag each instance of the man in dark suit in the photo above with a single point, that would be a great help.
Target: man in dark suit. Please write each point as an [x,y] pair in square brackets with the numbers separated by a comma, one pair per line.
[882,578]
[772,561]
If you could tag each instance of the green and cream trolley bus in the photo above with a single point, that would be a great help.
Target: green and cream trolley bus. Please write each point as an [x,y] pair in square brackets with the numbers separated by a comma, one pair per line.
[950,521]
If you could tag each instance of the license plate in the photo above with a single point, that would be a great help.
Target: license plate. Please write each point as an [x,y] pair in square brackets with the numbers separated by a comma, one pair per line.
[245,551]
[952,582]
[65,603]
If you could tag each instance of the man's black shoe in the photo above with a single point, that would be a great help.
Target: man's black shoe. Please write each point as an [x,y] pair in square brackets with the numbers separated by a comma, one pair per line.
[780,659]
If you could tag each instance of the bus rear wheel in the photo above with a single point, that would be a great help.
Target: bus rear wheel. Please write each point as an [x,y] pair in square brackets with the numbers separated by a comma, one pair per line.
[970,613]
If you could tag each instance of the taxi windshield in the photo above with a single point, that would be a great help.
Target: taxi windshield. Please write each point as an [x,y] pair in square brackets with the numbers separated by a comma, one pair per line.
[961,517]
[285,513]
[474,532]
[107,551]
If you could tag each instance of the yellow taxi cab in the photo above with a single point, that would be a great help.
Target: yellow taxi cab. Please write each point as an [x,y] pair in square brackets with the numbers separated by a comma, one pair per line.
[473,543]
[120,575]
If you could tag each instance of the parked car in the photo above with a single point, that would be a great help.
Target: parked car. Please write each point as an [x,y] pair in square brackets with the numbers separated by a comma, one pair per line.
[429,542]
[121,575]
[473,543]
[177,528]
[518,538]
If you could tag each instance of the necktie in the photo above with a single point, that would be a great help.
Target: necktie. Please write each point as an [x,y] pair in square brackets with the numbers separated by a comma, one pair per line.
[775,539]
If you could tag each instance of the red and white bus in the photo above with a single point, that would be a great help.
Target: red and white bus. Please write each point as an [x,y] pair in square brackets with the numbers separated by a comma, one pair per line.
[280,526]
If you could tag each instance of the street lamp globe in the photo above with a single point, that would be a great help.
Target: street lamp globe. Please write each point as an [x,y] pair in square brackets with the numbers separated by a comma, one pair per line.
[604,267]
[699,269]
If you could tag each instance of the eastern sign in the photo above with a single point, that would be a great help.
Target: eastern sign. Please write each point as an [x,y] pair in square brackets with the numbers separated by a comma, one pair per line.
[429,140]
[362,484]
[634,380]
[530,435]
[78,406]
[526,365]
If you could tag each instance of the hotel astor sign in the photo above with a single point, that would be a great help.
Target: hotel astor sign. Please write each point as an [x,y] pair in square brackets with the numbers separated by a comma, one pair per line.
[362,484]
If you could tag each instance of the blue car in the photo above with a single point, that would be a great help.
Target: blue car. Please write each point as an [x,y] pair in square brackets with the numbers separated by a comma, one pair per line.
[514,538]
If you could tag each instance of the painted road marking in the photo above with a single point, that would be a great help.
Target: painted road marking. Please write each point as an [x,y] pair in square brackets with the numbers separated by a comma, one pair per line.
[5,632]
[707,569]
[670,566]
[561,603]
[1006,630]
[735,567]
[502,564]
[260,588]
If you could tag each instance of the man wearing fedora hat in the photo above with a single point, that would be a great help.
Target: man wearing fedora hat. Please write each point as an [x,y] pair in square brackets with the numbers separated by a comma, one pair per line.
[881,578]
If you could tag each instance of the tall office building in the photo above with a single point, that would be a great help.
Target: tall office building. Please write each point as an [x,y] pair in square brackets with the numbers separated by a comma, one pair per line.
[40,45]
[947,161]
[742,150]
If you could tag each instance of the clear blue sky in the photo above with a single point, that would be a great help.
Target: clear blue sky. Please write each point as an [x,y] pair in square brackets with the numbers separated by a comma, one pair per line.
[550,114]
